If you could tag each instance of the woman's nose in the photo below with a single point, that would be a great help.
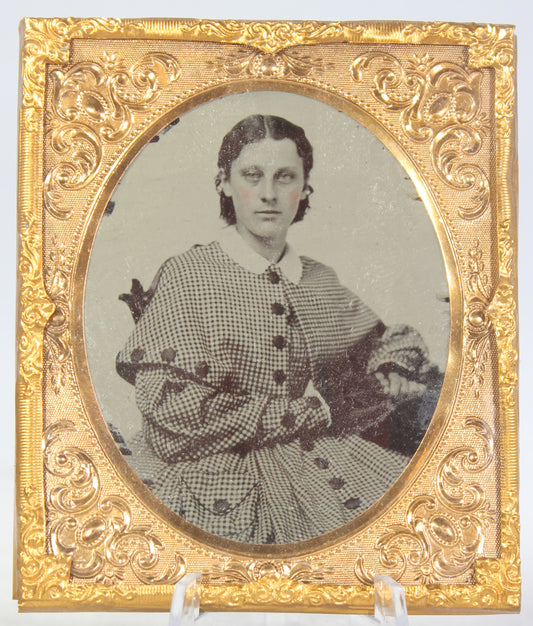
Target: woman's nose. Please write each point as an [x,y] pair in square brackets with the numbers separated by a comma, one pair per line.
[268,191]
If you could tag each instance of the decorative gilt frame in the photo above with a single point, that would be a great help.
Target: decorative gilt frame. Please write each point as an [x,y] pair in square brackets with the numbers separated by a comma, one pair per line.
[455,542]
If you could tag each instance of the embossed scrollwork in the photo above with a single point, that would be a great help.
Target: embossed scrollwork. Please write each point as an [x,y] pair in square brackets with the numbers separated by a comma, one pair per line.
[35,305]
[477,320]
[453,490]
[57,345]
[43,575]
[488,46]
[48,41]
[97,532]
[442,535]
[255,63]
[269,37]
[93,104]
[449,149]
[438,103]
[299,571]
[80,487]
[281,594]
[81,152]
[104,95]
[47,576]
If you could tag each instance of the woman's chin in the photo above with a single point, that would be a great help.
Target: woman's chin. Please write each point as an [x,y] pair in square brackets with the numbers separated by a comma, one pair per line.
[270,229]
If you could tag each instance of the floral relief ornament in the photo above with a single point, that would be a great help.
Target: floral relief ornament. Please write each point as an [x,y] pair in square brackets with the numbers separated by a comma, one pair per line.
[96,531]
[437,103]
[57,342]
[92,105]
[254,571]
[478,321]
[443,534]
[247,62]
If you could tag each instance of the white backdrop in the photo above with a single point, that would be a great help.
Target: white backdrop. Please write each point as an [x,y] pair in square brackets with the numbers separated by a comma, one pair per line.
[513,12]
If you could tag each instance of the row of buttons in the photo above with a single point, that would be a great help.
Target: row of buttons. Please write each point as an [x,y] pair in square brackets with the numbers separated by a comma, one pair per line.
[222,506]
[168,355]
[337,483]
[278,341]
[202,369]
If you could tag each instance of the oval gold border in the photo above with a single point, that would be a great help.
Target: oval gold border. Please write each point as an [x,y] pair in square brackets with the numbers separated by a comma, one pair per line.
[445,404]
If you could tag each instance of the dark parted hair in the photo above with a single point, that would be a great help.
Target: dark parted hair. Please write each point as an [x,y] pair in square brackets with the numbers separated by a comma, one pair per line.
[251,130]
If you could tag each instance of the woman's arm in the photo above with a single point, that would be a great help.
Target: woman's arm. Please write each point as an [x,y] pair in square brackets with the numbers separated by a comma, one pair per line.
[187,420]
[364,385]
[399,360]
[185,393]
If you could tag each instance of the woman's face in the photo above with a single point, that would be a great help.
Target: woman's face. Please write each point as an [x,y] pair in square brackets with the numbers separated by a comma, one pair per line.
[266,184]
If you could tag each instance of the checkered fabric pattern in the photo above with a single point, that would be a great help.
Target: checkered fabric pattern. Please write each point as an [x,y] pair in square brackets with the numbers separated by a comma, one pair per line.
[221,359]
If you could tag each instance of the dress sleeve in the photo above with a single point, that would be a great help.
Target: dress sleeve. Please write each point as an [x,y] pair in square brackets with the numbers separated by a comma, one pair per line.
[186,420]
[399,348]
[348,380]
[186,393]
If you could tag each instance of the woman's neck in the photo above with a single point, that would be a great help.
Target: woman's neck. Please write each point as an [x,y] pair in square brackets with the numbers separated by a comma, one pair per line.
[270,248]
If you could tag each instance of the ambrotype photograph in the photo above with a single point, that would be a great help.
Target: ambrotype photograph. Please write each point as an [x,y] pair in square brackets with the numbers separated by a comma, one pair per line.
[267,317]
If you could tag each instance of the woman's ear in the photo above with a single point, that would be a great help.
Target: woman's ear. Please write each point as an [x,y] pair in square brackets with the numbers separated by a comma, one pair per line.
[223,184]
[306,192]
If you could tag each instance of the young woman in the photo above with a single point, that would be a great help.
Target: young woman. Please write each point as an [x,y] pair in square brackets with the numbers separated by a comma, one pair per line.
[257,373]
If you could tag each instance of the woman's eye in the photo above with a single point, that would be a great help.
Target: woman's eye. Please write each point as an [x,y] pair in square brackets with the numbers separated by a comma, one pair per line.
[252,175]
[285,177]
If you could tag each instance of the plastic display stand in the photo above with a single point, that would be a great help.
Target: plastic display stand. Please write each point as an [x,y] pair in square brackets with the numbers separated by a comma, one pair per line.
[389,609]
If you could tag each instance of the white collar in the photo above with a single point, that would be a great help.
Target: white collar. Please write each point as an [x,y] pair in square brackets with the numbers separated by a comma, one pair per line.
[237,249]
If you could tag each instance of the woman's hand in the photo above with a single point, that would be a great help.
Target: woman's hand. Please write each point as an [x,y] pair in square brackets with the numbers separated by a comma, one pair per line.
[399,388]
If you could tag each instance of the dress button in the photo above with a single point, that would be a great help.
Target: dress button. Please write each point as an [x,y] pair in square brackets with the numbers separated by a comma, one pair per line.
[313,402]
[137,355]
[279,342]
[288,420]
[168,354]
[321,463]
[202,369]
[278,308]
[221,506]
[353,503]
[273,276]
[307,444]
[336,483]
[279,376]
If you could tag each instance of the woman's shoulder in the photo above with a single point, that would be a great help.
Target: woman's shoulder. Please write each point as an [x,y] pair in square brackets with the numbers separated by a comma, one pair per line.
[178,277]
[323,280]
[198,259]
[316,271]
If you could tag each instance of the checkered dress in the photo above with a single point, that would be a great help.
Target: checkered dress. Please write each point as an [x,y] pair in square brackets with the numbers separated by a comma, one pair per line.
[221,359]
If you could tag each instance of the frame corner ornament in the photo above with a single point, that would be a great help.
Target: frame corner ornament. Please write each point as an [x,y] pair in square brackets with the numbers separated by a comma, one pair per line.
[47,41]
[41,576]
